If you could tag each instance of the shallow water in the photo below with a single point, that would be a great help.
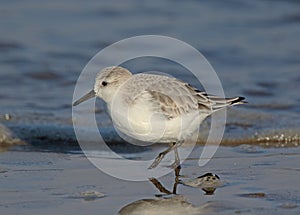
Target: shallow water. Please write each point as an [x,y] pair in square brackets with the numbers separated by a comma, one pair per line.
[251,45]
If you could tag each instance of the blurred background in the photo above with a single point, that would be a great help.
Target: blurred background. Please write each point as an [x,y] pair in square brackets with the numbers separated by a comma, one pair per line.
[252,45]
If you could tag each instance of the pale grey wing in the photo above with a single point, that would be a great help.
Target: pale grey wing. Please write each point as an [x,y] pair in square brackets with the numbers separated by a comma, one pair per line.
[173,97]
[166,95]
[164,104]
[183,98]
[168,106]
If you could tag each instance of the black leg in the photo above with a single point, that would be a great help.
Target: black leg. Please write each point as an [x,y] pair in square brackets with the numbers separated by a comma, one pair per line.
[162,155]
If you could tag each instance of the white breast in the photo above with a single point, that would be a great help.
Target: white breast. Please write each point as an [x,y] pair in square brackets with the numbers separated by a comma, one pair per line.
[140,122]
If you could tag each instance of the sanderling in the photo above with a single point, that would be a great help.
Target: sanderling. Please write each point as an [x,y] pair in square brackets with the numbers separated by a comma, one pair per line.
[154,108]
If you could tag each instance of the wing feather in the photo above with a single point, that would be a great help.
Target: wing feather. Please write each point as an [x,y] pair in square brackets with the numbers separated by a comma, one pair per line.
[173,97]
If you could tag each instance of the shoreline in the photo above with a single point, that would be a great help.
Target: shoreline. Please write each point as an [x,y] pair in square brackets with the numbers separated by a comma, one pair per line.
[62,138]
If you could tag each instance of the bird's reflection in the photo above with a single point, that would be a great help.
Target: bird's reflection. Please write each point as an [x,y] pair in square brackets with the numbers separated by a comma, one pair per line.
[207,182]
[170,202]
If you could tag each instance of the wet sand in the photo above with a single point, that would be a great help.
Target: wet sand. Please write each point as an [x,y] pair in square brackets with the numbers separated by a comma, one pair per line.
[255,181]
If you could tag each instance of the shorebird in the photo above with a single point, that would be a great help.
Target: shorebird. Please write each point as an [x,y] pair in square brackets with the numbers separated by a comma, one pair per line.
[154,108]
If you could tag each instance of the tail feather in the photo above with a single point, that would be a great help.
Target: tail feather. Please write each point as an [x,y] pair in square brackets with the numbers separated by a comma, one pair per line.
[236,100]
[219,103]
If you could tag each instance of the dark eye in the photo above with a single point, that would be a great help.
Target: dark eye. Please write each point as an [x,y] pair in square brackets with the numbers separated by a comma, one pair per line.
[104,83]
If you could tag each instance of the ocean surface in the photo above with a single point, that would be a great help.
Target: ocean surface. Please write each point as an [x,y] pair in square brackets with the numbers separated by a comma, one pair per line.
[252,45]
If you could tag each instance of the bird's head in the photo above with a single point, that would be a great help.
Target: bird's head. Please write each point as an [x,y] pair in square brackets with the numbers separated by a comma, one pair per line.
[107,82]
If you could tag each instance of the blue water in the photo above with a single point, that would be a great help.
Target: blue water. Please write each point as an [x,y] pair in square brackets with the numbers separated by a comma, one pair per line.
[252,45]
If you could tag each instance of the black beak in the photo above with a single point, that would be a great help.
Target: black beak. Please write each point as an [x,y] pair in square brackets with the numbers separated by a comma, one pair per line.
[89,95]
